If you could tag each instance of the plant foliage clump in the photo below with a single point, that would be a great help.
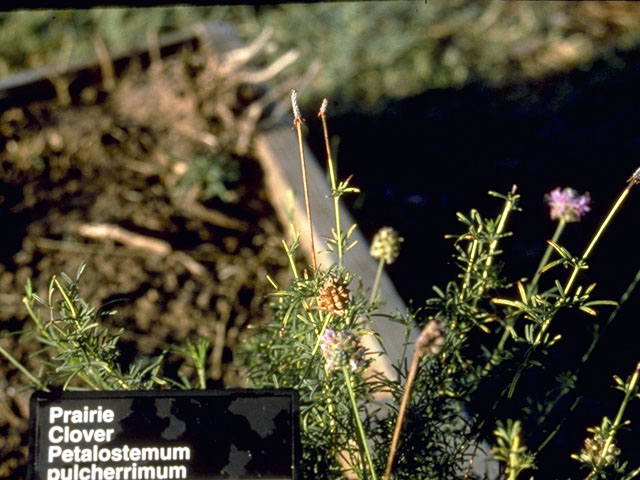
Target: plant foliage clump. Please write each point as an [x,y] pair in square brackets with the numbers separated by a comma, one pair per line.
[468,398]
[458,404]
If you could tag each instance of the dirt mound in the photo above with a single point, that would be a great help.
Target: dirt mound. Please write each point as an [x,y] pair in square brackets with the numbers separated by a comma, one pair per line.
[138,179]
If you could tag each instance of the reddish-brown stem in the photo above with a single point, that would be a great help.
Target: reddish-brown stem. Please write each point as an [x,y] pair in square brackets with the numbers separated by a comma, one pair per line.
[415,363]
[297,123]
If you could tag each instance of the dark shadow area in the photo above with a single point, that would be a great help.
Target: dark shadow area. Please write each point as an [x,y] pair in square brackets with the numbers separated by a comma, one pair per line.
[420,160]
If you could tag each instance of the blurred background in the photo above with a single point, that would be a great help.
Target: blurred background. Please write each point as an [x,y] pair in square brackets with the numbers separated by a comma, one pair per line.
[446,99]
[432,104]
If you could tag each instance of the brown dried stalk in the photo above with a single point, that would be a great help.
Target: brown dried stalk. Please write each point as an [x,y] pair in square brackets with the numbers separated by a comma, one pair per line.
[297,123]
[401,413]
[430,341]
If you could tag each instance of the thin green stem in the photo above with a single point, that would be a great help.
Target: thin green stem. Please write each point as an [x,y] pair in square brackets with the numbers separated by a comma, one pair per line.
[530,291]
[358,422]
[513,458]
[292,262]
[330,408]
[27,299]
[596,237]
[36,381]
[67,300]
[625,296]
[312,321]
[202,378]
[88,356]
[36,318]
[322,330]
[124,385]
[623,299]
[560,424]
[508,206]
[376,282]
[91,372]
[332,177]
[467,275]
[494,355]
[594,240]
[90,380]
[633,474]
[629,392]
[545,258]
[198,354]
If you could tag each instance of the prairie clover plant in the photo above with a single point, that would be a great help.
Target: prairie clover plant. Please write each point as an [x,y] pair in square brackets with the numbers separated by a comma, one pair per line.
[481,333]
[434,416]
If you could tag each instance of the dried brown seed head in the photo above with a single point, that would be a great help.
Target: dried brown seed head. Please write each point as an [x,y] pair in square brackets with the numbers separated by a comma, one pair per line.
[431,339]
[333,296]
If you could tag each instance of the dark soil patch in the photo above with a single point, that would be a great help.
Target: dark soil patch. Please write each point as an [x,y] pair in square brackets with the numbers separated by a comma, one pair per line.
[194,235]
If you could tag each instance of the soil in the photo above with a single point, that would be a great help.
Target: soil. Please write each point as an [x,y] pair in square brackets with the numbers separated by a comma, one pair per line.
[139,179]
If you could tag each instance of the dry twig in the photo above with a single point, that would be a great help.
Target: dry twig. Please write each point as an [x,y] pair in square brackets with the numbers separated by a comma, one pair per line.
[101,231]
[106,63]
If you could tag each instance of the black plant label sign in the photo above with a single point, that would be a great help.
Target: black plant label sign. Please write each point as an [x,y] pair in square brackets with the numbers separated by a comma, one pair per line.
[195,435]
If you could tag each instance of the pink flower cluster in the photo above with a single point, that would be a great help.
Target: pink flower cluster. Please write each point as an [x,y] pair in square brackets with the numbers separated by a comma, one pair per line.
[341,349]
[567,205]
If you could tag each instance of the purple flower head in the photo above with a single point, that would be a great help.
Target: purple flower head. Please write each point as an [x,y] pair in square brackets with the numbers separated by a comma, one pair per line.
[567,205]
[341,349]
